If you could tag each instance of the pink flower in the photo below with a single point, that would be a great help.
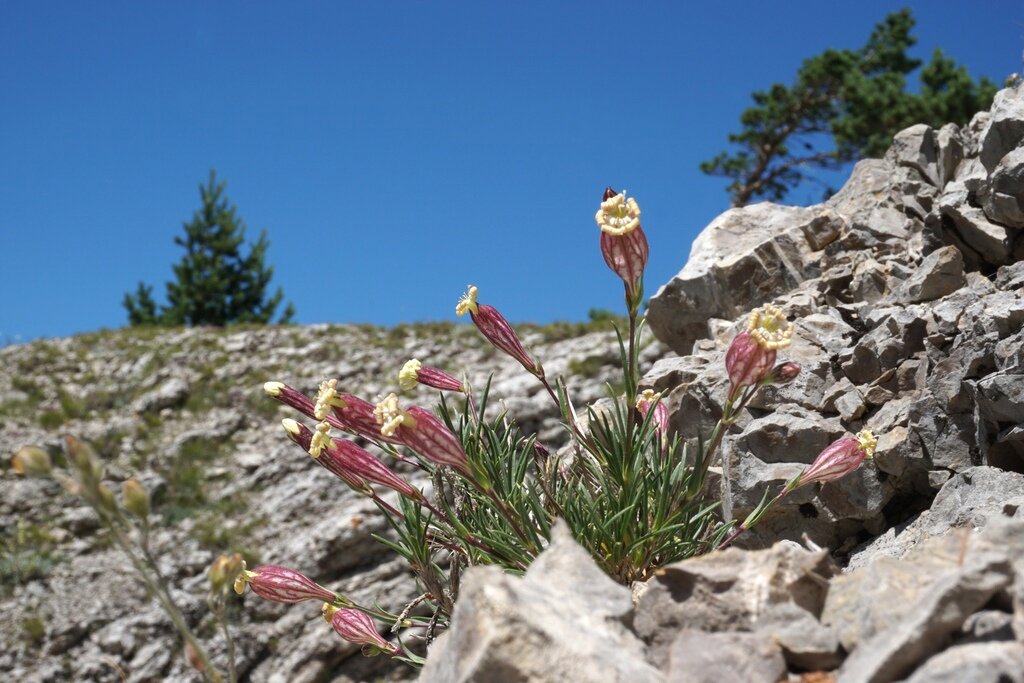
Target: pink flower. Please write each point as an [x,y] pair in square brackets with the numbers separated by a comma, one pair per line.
[357,627]
[281,584]
[839,459]
[752,353]
[784,373]
[347,412]
[623,242]
[290,397]
[496,329]
[421,431]
[414,372]
[649,400]
[315,444]
[346,457]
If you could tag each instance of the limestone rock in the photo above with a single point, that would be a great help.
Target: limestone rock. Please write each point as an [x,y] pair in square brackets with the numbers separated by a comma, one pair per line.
[976,662]
[1003,200]
[908,619]
[739,261]
[916,147]
[1005,127]
[169,394]
[941,273]
[729,590]
[700,657]
[562,621]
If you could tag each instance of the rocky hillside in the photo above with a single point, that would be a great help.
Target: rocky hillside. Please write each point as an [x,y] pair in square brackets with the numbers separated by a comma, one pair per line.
[184,410]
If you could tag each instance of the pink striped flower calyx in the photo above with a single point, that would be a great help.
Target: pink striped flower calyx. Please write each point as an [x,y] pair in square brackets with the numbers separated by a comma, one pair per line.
[650,400]
[281,584]
[752,353]
[421,431]
[496,329]
[839,459]
[414,372]
[357,627]
[623,242]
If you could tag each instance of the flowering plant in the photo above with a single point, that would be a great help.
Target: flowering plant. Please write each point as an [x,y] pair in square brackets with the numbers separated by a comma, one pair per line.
[632,492]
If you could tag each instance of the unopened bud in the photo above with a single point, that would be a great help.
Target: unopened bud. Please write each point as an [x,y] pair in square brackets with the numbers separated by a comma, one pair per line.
[784,373]
[356,627]
[224,570]
[135,498]
[106,497]
[31,460]
[81,455]
[649,400]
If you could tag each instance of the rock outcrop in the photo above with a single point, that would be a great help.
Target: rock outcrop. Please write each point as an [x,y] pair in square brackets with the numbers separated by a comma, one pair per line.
[907,291]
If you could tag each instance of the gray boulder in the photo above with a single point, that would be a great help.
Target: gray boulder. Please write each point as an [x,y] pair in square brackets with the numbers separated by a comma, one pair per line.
[730,590]
[1005,127]
[562,621]
[739,261]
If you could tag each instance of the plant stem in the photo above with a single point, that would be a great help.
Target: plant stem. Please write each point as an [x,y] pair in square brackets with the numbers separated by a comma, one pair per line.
[755,516]
[209,672]
[232,669]
[469,538]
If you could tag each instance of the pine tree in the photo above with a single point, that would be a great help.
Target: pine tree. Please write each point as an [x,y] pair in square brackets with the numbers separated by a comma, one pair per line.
[843,105]
[141,306]
[216,284]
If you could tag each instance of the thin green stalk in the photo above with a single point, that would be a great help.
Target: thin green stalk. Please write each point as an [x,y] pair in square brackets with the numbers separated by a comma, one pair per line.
[209,673]
[232,669]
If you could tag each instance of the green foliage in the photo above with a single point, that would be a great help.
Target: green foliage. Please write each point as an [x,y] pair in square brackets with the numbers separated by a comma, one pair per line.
[216,283]
[185,494]
[26,553]
[33,630]
[843,105]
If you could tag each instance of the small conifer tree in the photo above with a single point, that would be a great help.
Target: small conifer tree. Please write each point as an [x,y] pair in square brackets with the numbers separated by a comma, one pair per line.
[843,105]
[216,284]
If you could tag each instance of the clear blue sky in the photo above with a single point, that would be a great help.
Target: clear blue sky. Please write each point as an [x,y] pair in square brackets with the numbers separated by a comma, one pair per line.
[394,151]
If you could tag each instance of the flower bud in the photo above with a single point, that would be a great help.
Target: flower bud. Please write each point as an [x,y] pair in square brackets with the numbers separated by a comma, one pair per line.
[224,570]
[784,373]
[357,627]
[496,329]
[414,372]
[81,455]
[281,584]
[839,459]
[31,460]
[135,498]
